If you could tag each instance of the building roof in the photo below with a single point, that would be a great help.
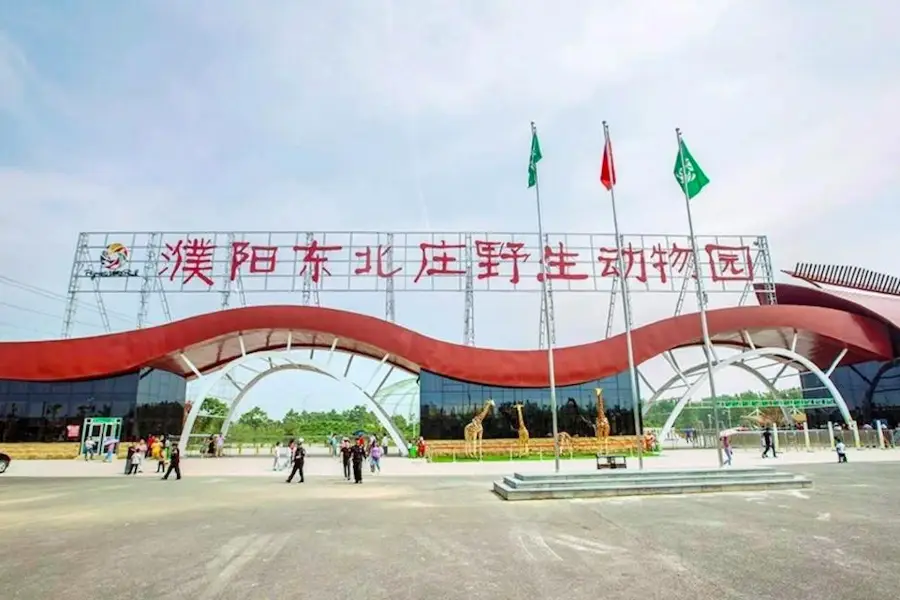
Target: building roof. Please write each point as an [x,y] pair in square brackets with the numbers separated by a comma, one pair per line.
[879,307]
[212,340]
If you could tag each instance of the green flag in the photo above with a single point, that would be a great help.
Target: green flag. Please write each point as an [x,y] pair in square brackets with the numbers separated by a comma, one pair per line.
[536,156]
[690,176]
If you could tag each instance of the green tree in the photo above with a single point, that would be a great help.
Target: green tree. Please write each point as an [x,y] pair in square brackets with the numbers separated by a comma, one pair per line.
[292,423]
[255,418]
[700,414]
[255,426]
[212,413]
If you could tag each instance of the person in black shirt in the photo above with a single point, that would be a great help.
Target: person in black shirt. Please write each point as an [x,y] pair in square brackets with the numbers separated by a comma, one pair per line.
[357,456]
[345,457]
[299,459]
[128,457]
[767,443]
[174,463]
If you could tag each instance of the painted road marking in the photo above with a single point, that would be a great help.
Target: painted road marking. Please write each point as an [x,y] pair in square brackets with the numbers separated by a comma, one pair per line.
[33,498]
[583,545]
[233,568]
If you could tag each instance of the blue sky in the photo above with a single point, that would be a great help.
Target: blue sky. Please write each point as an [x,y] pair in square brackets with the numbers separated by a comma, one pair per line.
[403,115]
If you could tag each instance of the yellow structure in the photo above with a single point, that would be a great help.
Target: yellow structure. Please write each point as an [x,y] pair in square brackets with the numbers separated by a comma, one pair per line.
[523,433]
[602,421]
[474,431]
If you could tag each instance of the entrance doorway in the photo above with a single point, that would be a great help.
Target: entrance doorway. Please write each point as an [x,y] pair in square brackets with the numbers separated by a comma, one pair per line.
[102,431]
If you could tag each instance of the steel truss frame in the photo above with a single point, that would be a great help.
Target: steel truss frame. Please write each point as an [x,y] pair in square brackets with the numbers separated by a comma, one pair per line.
[209,381]
[740,361]
[149,247]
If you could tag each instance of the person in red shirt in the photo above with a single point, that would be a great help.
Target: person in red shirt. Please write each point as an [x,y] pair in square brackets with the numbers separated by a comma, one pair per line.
[420,447]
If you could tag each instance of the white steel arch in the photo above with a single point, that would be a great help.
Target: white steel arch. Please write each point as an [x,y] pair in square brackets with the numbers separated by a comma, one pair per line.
[701,367]
[682,376]
[208,382]
[750,355]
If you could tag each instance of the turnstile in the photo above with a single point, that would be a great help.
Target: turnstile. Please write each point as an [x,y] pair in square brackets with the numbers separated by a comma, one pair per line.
[103,431]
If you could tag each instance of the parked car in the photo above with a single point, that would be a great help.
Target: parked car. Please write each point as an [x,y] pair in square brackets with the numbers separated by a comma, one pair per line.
[4,462]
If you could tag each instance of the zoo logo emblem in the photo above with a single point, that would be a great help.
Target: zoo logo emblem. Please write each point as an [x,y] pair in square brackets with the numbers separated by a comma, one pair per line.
[114,257]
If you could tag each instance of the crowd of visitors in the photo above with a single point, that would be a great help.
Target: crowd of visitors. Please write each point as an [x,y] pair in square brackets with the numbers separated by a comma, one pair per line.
[353,452]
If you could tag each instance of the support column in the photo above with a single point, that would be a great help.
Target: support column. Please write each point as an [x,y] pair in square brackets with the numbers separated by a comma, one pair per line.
[855,429]
[390,309]
[469,316]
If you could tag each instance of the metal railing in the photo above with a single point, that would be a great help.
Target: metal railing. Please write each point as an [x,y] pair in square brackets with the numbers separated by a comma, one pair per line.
[788,439]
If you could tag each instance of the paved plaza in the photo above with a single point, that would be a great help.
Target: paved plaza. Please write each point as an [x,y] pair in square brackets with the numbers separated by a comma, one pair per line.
[221,533]
[319,464]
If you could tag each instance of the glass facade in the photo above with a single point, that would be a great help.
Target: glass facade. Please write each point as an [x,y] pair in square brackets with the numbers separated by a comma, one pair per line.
[149,401]
[447,405]
[854,382]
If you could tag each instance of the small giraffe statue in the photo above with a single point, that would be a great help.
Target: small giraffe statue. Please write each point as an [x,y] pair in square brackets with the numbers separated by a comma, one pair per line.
[565,442]
[475,430]
[602,421]
[523,433]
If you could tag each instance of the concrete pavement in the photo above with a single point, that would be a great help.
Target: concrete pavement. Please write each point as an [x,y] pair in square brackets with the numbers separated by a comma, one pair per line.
[413,538]
[318,465]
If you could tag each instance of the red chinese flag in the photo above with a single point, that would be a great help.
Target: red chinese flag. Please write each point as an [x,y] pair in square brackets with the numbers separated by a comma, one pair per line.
[608,169]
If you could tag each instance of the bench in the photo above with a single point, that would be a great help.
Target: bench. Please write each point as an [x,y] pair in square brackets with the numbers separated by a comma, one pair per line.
[611,462]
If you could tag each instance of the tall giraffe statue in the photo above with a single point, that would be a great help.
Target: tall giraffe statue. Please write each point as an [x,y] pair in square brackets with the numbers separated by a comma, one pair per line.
[524,449]
[602,421]
[475,430]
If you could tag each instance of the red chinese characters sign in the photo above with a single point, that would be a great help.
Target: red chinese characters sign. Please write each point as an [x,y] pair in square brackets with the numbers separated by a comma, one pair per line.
[193,261]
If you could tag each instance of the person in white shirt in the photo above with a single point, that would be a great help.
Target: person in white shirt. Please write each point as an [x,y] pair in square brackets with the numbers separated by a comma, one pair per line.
[841,450]
[277,462]
[136,459]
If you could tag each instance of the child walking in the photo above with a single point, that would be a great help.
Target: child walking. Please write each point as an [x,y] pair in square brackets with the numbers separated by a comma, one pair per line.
[841,451]
[375,458]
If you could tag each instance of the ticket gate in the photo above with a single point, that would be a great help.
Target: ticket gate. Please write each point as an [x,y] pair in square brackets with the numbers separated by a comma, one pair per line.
[100,430]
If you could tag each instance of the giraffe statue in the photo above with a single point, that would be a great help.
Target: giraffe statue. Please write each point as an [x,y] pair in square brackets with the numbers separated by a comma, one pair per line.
[523,433]
[475,430]
[602,421]
[565,442]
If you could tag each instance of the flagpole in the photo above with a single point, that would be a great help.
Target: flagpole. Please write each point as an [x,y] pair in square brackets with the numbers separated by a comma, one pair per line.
[701,298]
[620,257]
[550,365]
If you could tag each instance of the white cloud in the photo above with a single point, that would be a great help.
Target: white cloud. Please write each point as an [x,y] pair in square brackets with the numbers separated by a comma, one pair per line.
[406,116]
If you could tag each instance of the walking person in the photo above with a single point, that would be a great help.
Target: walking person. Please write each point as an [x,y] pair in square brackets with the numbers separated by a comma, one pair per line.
[767,443]
[174,463]
[161,458]
[726,447]
[841,451]
[109,448]
[136,459]
[345,457]
[89,449]
[299,459]
[375,459]
[129,458]
[357,456]
[277,462]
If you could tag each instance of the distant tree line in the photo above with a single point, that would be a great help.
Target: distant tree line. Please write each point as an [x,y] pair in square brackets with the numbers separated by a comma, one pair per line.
[700,414]
[256,426]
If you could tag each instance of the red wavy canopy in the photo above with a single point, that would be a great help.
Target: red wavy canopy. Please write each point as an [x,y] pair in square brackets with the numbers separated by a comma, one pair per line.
[211,340]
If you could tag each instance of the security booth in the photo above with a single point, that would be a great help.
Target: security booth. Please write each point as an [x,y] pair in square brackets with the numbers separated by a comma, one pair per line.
[101,430]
